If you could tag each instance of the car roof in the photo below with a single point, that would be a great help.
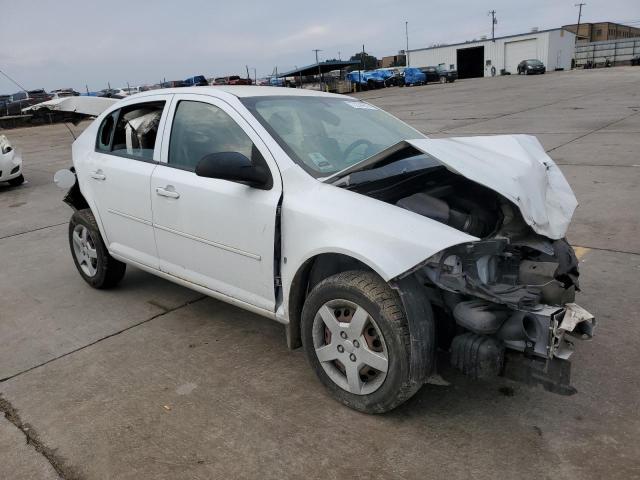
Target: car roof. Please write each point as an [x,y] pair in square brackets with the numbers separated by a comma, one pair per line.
[243,91]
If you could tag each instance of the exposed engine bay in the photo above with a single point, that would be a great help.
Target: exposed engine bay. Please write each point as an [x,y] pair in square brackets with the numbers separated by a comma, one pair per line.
[513,289]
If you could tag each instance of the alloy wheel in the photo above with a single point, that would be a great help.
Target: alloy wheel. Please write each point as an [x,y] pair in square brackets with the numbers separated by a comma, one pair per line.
[350,347]
[84,249]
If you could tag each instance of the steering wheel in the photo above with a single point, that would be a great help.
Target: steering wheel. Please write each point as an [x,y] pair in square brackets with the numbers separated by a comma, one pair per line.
[356,144]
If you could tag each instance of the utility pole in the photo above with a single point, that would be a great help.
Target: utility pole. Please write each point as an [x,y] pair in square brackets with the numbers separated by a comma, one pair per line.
[579,5]
[406,34]
[339,58]
[318,63]
[494,21]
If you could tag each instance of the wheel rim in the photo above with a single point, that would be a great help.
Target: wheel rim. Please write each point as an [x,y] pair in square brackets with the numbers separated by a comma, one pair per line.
[350,347]
[84,249]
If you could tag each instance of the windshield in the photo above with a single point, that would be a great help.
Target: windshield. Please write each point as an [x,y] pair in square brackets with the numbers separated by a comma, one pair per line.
[534,62]
[325,135]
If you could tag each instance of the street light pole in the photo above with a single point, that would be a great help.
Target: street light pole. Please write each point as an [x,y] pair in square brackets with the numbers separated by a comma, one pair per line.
[406,52]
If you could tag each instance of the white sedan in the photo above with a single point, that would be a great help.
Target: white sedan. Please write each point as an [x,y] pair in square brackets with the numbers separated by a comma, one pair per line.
[374,245]
[10,163]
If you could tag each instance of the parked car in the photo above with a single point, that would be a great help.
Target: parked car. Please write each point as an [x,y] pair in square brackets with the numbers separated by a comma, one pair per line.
[392,77]
[4,101]
[64,93]
[635,61]
[131,90]
[530,67]
[439,74]
[172,84]
[23,99]
[197,81]
[371,243]
[265,82]
[146,88]
[10,163]
[112,93]
[366,80]
[237,80]
[276,82]
[414,76]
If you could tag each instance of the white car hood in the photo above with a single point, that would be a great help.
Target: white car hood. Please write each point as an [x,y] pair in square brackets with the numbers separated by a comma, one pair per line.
[515,166]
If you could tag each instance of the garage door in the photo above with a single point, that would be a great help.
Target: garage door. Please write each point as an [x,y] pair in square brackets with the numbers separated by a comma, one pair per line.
[515,52]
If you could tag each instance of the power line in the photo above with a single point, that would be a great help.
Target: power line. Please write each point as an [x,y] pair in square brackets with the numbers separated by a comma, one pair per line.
[12,80]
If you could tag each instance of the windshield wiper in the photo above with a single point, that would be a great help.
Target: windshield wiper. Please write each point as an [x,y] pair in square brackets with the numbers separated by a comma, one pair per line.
[342,177]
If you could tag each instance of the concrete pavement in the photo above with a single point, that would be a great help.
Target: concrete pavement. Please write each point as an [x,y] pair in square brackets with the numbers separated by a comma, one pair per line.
[153,381]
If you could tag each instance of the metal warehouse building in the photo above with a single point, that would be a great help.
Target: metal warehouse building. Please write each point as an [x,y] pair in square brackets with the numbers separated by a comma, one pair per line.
[485,58]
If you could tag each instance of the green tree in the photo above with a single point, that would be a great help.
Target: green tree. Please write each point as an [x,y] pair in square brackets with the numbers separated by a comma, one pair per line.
[370,62]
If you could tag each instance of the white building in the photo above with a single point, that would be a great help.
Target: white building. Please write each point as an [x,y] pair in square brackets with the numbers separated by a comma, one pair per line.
[488,57]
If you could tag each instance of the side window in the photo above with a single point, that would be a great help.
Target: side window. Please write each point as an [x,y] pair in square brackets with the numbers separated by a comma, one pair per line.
[200,129]
[105,133]
[136,129]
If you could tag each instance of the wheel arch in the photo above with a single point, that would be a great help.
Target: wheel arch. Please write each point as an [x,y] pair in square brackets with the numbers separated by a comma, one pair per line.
[311,272]
[414,299]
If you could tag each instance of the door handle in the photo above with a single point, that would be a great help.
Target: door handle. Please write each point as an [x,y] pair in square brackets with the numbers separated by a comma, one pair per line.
[165,192]
[98,175]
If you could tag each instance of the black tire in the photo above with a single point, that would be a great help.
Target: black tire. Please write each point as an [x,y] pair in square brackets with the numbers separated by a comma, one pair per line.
[109,271]
[443,79]
[369,291]
[14,182]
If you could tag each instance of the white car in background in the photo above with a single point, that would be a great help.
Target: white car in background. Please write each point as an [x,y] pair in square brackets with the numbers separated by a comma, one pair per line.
[374,245]
[10,163]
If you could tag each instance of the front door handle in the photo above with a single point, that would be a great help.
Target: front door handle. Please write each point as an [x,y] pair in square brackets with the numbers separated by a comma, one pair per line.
[167,192]
[98,175]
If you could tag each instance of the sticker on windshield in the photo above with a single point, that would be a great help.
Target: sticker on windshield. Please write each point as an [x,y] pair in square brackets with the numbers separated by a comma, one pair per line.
[362,105]
[322,163]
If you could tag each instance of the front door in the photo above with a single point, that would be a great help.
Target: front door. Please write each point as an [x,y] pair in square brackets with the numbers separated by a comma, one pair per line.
[215,233]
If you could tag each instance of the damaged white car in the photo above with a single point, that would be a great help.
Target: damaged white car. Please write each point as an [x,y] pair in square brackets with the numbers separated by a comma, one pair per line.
[376,246]
[10,163]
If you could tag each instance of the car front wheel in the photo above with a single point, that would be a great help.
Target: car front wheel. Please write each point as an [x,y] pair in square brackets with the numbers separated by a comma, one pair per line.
[90,255]
[356,338]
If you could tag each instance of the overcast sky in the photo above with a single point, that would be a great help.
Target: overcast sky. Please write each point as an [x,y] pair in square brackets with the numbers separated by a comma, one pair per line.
[70,43]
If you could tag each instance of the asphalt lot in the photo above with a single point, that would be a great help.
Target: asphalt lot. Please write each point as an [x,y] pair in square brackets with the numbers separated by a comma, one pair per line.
[151,380]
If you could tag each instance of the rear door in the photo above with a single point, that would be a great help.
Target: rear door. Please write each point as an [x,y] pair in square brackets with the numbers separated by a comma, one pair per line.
[118,175]
[215,233]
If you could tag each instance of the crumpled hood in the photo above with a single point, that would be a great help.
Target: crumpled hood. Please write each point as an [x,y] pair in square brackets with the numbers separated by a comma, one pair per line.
[515,166]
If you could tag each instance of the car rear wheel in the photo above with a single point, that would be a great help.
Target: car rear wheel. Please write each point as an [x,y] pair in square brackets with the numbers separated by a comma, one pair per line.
[90,255]
[356,338]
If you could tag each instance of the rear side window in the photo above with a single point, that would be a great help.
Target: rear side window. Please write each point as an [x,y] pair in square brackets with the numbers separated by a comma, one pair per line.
[105,133]
[200,129]
[131,131]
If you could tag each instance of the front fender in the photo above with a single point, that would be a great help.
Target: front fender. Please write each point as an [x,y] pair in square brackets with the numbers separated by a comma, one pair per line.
[320,218]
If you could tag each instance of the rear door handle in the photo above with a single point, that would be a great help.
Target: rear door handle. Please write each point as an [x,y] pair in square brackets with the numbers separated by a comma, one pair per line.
[98,175]
[165,192]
